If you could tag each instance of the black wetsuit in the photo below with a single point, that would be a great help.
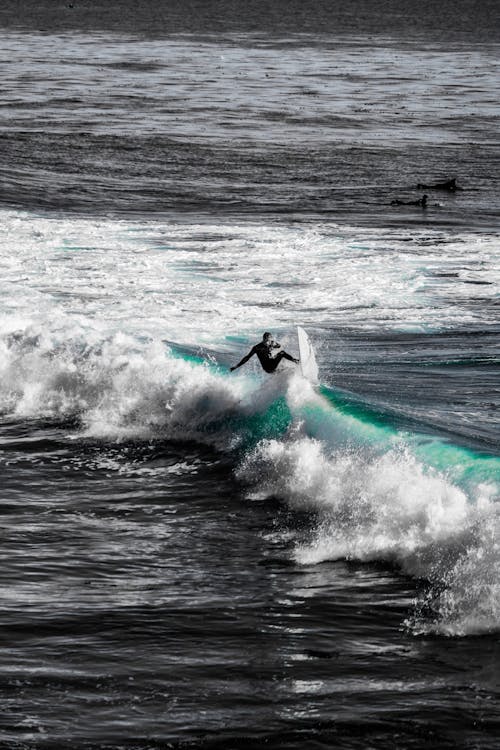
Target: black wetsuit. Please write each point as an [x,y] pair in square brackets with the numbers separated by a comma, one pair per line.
[268,361]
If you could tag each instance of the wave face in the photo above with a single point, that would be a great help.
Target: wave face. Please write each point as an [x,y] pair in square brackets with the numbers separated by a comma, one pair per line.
[377,492]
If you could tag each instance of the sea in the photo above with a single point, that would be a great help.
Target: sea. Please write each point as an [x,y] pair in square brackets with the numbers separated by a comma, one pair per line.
[195,558]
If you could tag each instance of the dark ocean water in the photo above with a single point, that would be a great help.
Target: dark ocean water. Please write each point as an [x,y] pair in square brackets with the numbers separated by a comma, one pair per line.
[198,559]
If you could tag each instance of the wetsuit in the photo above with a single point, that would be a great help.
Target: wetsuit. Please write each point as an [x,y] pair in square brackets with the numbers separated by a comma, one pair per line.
[268,361]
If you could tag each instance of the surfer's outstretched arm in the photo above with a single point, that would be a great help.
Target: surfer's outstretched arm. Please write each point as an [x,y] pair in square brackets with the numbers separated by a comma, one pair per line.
[245,359]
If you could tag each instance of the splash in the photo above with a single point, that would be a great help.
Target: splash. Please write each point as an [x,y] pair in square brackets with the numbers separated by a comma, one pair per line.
[119,387]
[424,505]
[377,496]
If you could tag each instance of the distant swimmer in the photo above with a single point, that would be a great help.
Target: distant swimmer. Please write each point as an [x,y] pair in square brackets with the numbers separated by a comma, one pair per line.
[450,185]
[422,202]
[265,352]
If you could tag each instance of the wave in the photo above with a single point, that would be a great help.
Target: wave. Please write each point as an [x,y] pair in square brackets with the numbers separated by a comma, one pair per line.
[377,493]
[121,387]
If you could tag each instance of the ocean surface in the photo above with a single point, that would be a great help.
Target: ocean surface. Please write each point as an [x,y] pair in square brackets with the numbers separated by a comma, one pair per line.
[194,558]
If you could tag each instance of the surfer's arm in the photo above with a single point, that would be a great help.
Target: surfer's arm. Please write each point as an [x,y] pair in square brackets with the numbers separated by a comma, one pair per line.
[245,359]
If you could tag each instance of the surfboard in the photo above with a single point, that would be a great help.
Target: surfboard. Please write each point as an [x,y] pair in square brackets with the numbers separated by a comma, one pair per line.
[308,365]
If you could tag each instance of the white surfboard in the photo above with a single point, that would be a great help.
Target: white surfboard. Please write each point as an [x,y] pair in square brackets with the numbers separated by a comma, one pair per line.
[308,363]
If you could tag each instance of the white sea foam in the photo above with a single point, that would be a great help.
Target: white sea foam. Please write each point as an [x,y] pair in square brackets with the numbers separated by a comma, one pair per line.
[392,509]
[374,500]
[117,387]
[200,284]
[86,305]
[390,506]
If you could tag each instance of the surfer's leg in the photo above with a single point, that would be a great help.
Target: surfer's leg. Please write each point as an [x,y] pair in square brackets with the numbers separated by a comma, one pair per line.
[274,362]
[282,355]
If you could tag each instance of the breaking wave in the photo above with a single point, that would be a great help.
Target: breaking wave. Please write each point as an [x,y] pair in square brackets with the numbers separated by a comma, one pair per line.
[376,493]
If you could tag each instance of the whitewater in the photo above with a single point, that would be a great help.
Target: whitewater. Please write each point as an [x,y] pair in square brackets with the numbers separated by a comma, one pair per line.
[135,327]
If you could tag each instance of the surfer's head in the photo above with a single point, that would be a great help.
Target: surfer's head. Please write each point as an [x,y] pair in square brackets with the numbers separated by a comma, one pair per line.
[267,337]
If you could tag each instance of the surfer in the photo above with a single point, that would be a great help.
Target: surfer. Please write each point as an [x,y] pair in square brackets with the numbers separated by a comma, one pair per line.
[422,202]
[264,351]
[449,185]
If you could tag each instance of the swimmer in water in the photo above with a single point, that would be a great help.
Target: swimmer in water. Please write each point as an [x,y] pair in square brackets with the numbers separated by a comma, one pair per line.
[449,185]
[422,202]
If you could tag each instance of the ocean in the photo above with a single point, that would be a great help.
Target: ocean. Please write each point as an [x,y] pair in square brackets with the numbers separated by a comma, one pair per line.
[200,558]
